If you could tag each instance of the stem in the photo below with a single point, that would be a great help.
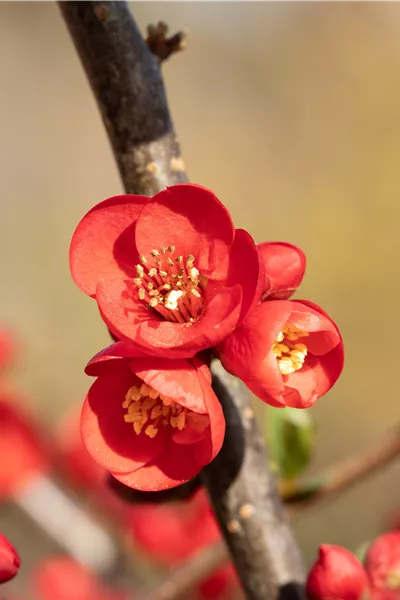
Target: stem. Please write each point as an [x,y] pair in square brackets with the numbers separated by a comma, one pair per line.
[128,86]
[347,473]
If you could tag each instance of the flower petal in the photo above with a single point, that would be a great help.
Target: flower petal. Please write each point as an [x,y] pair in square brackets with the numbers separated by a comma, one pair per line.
[284,266]
[103,245]
[245,270]
[130,320]
[244,350]
[107,356]
[177,379]
[112,442]
[174,466]
[191,218]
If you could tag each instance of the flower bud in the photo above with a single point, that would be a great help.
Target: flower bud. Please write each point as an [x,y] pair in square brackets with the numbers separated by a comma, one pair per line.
[383,562]
[337,575]
[9,560]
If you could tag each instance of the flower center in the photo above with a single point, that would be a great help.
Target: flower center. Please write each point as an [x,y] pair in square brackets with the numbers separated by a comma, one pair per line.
[290,356]
[171,285]
[147,408]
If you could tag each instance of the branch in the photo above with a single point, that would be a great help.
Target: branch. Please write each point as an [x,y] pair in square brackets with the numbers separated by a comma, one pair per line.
[127,83]
[345,474]
[185,577]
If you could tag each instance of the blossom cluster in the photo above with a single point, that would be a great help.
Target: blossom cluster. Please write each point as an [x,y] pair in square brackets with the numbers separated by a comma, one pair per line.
[339,575]
[176,283]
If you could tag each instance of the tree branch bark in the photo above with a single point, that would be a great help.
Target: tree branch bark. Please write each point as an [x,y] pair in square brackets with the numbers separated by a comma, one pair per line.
[128,86]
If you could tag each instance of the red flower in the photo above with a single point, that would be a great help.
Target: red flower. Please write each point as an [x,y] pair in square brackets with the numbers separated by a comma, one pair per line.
[21,444]
[152,422]
[7,348]
[336,575]
[9,560]
[62,578]
[169,273]
[288,353]
[161,531]
[383,563]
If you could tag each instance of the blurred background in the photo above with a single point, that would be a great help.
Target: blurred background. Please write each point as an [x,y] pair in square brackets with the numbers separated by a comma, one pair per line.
[290,112]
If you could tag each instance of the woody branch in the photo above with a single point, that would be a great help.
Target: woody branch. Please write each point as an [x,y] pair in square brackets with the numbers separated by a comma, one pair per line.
[126,80]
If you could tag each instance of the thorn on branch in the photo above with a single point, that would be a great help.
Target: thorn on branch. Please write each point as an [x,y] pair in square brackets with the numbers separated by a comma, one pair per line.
[162,46]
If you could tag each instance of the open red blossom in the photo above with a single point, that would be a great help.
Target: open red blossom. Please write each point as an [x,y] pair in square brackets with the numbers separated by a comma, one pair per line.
[289,353]
[21,444]
[337,575]
[61,578]
[9,560]
[152,422]
[383,564]
[169,273]
[161,531]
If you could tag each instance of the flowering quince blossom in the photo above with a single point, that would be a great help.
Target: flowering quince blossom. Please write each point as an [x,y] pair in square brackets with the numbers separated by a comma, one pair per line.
[20,442]
[337,575]
[170,274]
[152,422]
[9,560]
[61,578]
[382,562]
[287,352]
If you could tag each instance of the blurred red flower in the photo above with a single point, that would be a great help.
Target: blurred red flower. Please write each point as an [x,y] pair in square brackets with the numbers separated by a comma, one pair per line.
[61,578]
[161,531]
[152,422]
[382,562]
[169,273]
[337,575]
[7,348]
[9,560]
[21,444]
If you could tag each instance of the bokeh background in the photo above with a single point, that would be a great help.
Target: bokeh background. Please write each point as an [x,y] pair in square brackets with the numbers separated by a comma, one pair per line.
[290,112]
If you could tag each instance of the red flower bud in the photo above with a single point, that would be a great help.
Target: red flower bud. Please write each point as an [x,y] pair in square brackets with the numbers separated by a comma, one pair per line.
[9,560]
[383,562]
[336,575]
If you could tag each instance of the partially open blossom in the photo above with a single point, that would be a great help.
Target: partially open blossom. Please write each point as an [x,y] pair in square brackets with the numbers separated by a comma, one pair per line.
[9,560]
[20,442]
[382,562]
[161,531]
[62,578]
[152,422]
[284,266]
[170,273]
[337,575]
[289,353]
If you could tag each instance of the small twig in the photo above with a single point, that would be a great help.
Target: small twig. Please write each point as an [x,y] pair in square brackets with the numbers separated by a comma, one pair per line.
[347,473]
[161,45]
[189,574]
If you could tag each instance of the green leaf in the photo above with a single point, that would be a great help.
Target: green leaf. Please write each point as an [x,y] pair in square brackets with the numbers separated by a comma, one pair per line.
[361,551]
[291,439]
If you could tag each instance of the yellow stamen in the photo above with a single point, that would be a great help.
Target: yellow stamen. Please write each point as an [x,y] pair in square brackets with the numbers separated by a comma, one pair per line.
[290,356]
